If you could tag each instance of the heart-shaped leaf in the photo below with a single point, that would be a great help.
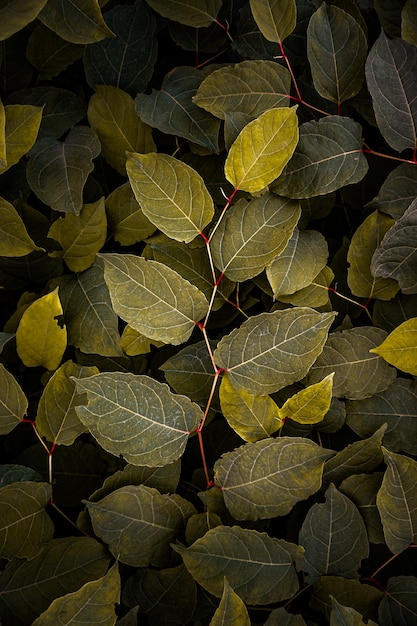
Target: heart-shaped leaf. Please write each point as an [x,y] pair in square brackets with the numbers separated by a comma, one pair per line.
[196,13]
[276,19]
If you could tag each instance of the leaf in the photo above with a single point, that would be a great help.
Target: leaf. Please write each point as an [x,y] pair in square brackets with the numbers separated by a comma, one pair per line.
[14,473]
[125,217]
[49,53]
[315,295]
[408,22]
[40,340]
[365,241]
[396,257]
[171,194]
[262,150]
[260,569]
[357,373]
[24,525]
[166,307]
[196,13]
[336,50]
[14,238]
[280,617]
[249,87]
[276,20]
[391,75]
[362,490]
[15,15]
[398,606]
[346,616]
[28,587]
[133,343]
[93,603]
[112,116]
[328,156]
[390,314]
[231,610]
[295,268]
[397,191]
[79,21]
[266,479]
[172,110]
[57,171]
[137,417]
[56,418]
[334,537]
[251,417]
[400,347]
[13,402]
[22,127]
[283,346]
[3,147]
[139,523]
[397,503]
[348,592]
[310,405]
[251,234]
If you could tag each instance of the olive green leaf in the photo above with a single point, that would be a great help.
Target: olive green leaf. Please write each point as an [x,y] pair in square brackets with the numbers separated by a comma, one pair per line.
[79,21]
[267,478]
[40,340]
[3,158]
[399,606]
[15,15]
[22,127]
[315,295]
[137,417]
[397,192]
[400,347]
[283,345]
[231,611]
[112,116]
[260,569]
[49,53]
[13,402]
[154,299]
[349,592]
[24,525]
[408,22]
[125,217]
[310,405]
[172,195]
[196,13]
[138,523]
[262,149]
[346,616]
[362,490]
[14,238]
[280,617]
[275,19]
[133,343]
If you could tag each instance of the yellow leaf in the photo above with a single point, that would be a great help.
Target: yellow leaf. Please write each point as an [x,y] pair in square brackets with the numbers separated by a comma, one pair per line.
[22,127]
[14,238]
[231,610]
[311,404]
[400,347]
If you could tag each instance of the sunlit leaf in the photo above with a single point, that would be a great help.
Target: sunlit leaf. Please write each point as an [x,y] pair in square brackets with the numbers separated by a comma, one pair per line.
[309,405]
[399,605]
[400,347]
[397,191]
[125,216]
[197,13]
[22,127]
[231,611]
[49,53]
[133,343]
[78,21]
[362,490]
[15,15]
[276,19]
[14,238]
[267,478]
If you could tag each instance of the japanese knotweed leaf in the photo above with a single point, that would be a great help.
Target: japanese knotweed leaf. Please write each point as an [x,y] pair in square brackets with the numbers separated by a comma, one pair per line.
[266,479]
[334,537]
[397,192]
[15,15]
[259,568]
[13,402]
[172,194]
[314,295]
[25,526]
[272,350]
[391,74]
[154,299]
[397,501]
[362,490]
[93,603]
[252,233]
[399,603]
[125,217]
[51,54]
[400,347]
[78,21]
[310,405]
[21,130]
[347,591]
[275,19]
[137,417]
[196,13]
[336,50]
[139,524]
[14,238]
[262,149]
[347,615]
[231,610]
[328,156]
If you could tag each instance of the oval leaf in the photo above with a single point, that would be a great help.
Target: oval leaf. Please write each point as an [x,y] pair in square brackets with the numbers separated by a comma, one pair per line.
[276,19]
[14,238]
[400,347]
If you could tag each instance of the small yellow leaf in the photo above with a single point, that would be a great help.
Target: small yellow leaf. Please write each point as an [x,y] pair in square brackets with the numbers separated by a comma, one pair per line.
[311,404]
[400,347]
[40,341]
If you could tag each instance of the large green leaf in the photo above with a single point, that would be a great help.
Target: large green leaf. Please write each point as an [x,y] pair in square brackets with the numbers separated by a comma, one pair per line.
[22,127]
[283,345]
[310,405]
[152,298]
[262,149]
[49,53]
[196,13]
[172,110]
[137,417]
[16,14]
[399,605]
[259,568]
[276,19]
[125,217]
[139,523]
[25,526]
[13,402]
[78,21]
[172,195]
[327,157]
[252,233]
[400,347]
[362,490]
[397,192]
[231,610]
[57,171]
[267,478]
[14,238]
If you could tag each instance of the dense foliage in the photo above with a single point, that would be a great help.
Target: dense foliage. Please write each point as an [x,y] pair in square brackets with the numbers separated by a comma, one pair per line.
[208,261]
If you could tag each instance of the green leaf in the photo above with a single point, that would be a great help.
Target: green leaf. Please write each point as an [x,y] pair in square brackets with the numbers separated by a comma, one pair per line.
[3,157]
[310,405]
[139,523]
[15,15]
[93,603]
[14,238]
[280,617]
[133,343]
[14,473]
[346,616]
[252,233]
[328,156]
[400,347]
[79,21]
[24,525]
[172,110]
[49,53]
[399,606]
[196,13]
[397,501]
[40,340]
[348,592]
[171,194]
[260,569]
[397,191]
[315,295]
[266,479]
[262,150]
[125,217]
[13,402]
[149,425]
[56,418]
[112,116]
[231,610]
[283,346]
[391,74]
[408,22]
[251,417]
[166,307]
[357,373]
[336,50]
[249,87]
[57,171]
[22,127]
[28,587]
[276,20]
[362,490]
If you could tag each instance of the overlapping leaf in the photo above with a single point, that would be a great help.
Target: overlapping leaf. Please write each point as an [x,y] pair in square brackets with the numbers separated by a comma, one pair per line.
[346,616]
[276,20]
[310,405]
[196,13]
[15,15]
[408,22]
[49,53]
[231,610]
[362,490]
[133,343]
[399,606]
[125,217]
[14,473]
[14,238]
[397,191]
[79,21]
[21,129]
[13,402]
[315,295]
[400,347]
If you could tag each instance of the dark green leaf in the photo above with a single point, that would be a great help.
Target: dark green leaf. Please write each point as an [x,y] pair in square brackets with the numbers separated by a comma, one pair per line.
[15,15]
[362,490]
[78,21]
[397,191]
[362,598]
[276,19]
[409,22]
[49,53]
[399,604]
[280,617]
[13,473]
[125,217]
[346,616]
[197,13]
